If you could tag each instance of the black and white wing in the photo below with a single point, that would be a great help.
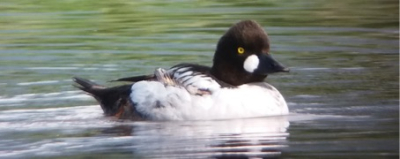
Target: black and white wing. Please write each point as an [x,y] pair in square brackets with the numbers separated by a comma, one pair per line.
[195,78]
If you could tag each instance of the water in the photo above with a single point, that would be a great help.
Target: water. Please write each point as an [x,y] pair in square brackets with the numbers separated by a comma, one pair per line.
[342,90]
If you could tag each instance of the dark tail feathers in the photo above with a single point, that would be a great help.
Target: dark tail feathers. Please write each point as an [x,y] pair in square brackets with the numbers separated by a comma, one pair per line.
[113,100]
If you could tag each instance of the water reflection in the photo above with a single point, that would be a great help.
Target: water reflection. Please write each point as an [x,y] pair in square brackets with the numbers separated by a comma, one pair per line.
[258,137]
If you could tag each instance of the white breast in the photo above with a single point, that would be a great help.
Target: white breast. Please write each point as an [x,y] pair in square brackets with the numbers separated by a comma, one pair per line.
[156,101]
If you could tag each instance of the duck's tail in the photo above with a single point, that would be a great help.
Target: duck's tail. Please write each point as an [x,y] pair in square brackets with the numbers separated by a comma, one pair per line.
[113,100]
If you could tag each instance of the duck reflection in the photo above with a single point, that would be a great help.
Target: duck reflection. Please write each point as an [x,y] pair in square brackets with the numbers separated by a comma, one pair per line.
[240,138]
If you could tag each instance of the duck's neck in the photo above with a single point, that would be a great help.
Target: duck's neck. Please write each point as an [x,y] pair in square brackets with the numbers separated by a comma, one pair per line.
[233,74]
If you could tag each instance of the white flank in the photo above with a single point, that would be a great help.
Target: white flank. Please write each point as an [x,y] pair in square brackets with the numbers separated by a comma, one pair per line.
[251,63]
[156,101]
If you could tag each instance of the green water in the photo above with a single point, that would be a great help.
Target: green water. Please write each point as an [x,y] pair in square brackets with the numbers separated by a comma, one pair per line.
[342,91]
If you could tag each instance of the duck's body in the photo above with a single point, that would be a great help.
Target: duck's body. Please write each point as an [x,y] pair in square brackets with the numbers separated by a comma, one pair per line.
[232,88]
[172,103]
[191,95]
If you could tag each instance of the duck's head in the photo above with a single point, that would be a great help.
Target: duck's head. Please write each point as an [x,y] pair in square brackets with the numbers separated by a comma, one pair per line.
[242,55]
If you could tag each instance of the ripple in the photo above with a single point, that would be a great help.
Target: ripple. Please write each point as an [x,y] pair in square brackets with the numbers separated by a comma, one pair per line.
[37,83]
[43,97]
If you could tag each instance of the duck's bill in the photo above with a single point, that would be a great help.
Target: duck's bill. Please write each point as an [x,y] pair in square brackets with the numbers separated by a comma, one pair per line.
[263,64]
[269,65]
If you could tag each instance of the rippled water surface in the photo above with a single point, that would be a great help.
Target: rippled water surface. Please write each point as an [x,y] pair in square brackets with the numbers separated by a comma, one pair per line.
[342,91]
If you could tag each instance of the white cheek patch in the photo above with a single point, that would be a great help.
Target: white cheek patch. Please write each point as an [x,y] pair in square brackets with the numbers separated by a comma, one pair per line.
[251,63]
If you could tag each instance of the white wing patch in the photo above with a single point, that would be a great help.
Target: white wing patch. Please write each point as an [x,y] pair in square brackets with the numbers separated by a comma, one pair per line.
[194,82]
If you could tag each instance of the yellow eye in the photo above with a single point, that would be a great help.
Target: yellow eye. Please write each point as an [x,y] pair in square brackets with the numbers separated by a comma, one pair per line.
[240,50]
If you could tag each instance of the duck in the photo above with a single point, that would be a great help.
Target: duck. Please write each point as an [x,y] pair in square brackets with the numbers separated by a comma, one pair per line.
[233,87]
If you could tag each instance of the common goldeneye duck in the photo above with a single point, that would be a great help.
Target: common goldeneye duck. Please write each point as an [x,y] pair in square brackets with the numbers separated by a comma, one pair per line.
[233,87]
